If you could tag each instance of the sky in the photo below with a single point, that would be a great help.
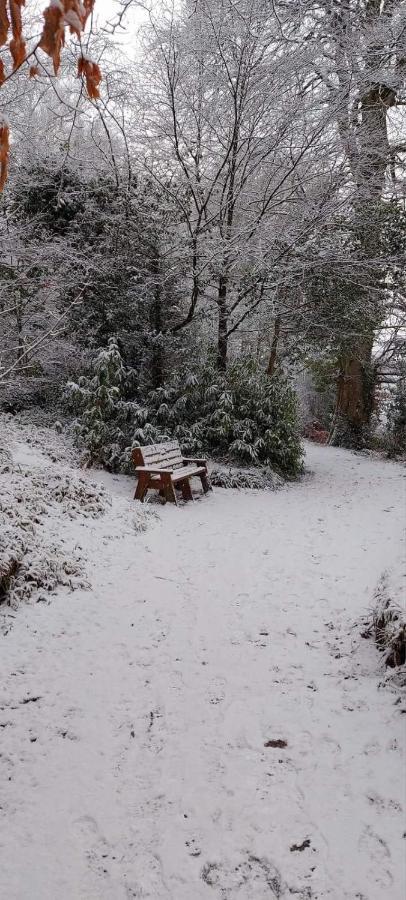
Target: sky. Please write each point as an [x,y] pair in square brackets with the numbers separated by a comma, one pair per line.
[107,11]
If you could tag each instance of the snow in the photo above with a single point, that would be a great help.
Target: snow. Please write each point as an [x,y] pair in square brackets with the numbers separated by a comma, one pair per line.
[134,716]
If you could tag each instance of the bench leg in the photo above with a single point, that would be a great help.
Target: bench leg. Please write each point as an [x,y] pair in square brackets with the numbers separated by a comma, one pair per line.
[186,490]
[204,478]
[142,487]
[169,489]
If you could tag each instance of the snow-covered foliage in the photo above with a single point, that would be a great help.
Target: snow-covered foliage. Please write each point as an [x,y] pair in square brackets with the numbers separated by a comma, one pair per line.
[254,478]
[104,415]
[47,507]
[31,566]
[397,419]
[240,415]
[388,621]
[40,434]
[30,561]
[216,237]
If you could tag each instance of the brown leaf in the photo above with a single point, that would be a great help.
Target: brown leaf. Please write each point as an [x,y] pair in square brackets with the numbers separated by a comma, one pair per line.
[89,6]
[4,149]
[18,51]
[76,14]
[4,22]
[53,35]
[34,71]
[15,16]
[91,71]
[17,44]
[2,73]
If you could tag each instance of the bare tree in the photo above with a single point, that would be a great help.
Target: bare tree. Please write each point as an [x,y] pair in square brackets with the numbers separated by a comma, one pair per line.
[229,131]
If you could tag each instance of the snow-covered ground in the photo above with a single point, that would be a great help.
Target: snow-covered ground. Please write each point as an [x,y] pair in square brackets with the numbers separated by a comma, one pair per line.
[206,721]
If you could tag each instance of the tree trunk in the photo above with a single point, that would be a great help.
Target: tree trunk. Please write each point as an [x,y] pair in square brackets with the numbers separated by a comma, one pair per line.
[274,347]
[367,146]
[157,357]
[355,400]
[222,337]
[20,338]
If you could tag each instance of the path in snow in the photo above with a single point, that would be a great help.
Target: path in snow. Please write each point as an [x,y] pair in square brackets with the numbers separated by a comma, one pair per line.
[134,718]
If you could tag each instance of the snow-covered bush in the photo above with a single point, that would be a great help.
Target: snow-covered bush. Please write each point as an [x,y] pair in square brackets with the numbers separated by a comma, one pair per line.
[397,419]
[241,415]
[248,477]
[30,562]
[30,565]
[104,415]
[387,621]
[6,460]
[32,493]
[21,393]
[37,429]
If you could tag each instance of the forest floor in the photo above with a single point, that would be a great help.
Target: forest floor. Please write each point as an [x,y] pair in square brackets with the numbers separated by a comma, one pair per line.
[207,721]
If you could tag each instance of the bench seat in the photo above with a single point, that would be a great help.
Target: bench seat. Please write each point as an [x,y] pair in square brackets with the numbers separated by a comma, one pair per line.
[162,467]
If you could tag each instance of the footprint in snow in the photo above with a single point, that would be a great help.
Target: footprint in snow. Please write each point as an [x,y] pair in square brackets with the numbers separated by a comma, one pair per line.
[249,878]
[384,805]
[379,856]
[216,693]
[94,845]
[193,848]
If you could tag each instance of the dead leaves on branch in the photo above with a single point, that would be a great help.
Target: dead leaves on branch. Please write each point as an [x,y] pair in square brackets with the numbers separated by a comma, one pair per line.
[53,35]
[4,22]
[92,75]
[4,149]
[17,45]
[58,16]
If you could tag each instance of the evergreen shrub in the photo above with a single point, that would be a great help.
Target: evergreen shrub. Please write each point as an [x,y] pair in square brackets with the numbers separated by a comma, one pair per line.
[239,416]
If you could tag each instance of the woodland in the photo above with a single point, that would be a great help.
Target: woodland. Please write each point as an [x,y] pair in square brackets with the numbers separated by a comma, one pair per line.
[202,245]
[203,210]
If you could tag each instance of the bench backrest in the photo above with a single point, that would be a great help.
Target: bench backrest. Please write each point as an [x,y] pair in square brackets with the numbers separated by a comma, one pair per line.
[161,456]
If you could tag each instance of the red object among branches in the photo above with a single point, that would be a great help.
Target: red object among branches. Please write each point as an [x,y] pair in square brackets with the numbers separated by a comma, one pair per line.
[316,433]
[92,75]
[4,148]
[59,15]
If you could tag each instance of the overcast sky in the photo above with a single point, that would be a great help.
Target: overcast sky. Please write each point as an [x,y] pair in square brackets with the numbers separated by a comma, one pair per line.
[108,11]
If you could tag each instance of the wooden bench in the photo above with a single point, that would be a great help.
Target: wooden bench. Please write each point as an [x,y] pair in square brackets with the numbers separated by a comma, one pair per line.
[163,468]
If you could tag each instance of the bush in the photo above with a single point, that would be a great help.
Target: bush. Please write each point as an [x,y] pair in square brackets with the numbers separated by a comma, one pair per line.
[387,621]
[245,478]
[31,565]
[104,416]
[27,393]
[240,416]
[397,419]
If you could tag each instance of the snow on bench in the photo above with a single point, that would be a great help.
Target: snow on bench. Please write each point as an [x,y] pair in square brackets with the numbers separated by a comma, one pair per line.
[162,467]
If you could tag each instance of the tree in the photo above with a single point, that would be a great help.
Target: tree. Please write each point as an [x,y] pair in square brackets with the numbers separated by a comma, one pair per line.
[228,102]
[361,61]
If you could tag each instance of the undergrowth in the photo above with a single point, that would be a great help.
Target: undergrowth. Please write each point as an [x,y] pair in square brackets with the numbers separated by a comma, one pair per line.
[241,415]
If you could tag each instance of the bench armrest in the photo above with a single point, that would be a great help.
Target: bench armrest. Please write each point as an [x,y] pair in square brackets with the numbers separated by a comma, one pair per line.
[197,462]
[154,470]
